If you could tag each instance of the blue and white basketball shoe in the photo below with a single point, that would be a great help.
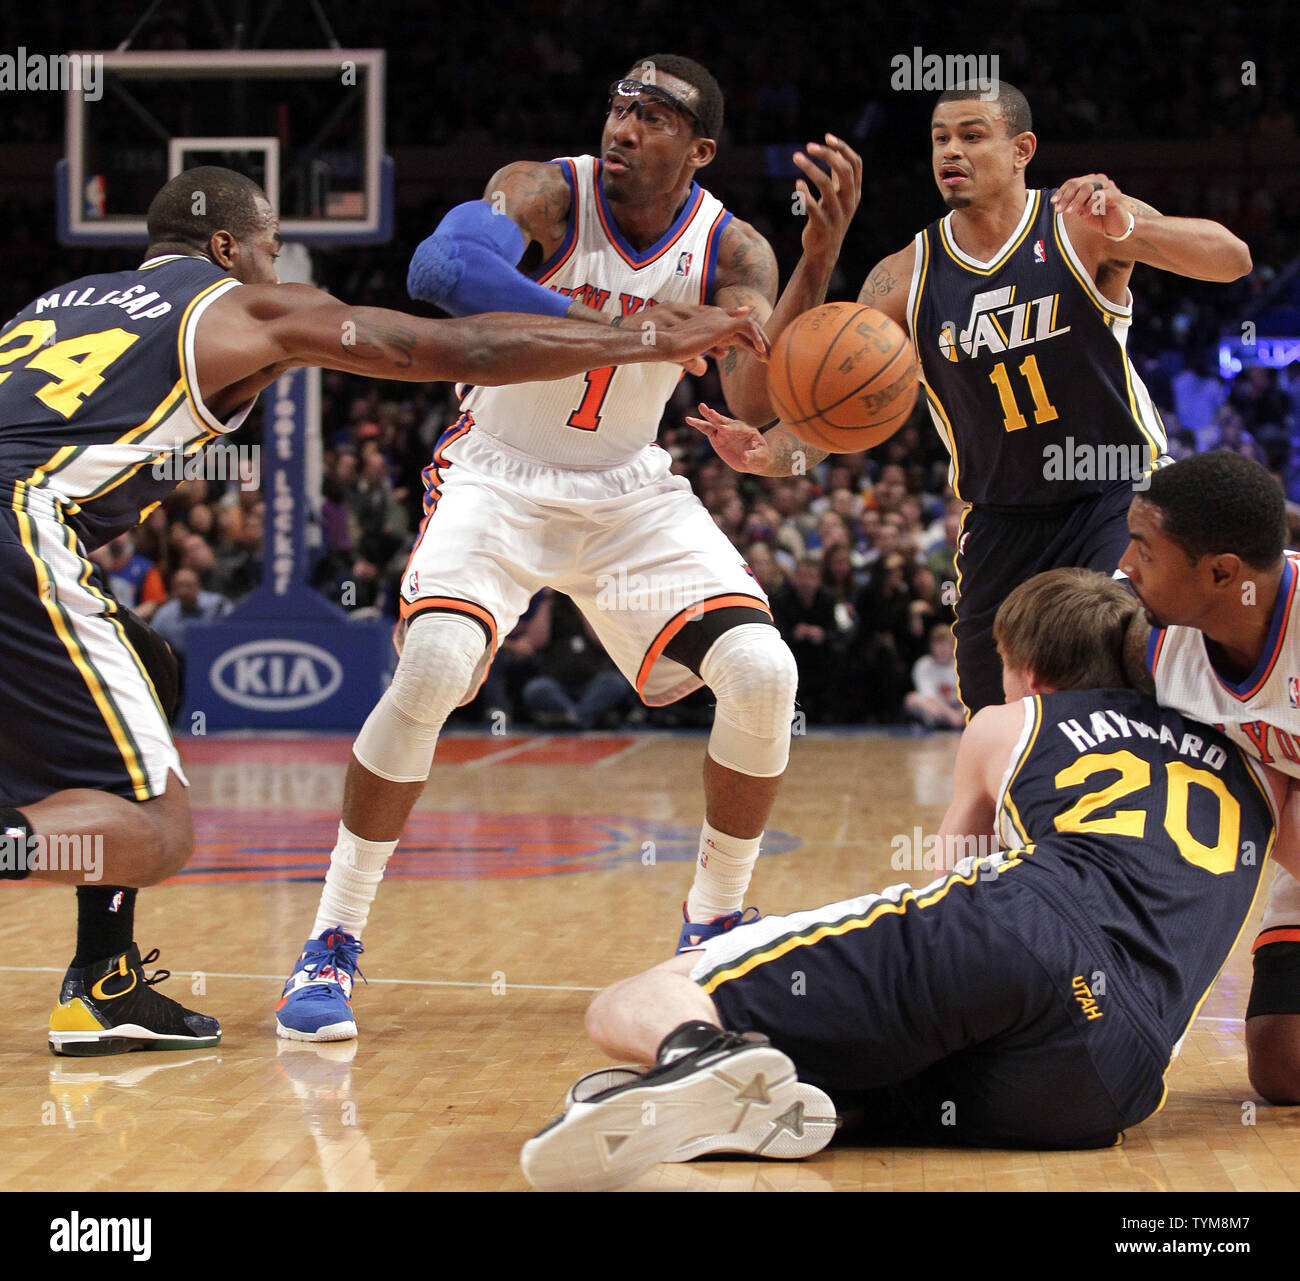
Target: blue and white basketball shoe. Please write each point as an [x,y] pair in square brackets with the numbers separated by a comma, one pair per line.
[316,1004]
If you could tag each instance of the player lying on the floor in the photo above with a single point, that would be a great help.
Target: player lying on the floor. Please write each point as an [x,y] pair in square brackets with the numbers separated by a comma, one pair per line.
[1032,999]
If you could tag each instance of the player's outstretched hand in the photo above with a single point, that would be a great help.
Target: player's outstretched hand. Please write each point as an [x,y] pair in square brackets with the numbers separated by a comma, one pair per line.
[838,193]
[1097,200]
[680,332]
[740,446]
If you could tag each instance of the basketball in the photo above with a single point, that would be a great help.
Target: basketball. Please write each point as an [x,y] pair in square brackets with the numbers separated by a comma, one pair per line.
[843,376]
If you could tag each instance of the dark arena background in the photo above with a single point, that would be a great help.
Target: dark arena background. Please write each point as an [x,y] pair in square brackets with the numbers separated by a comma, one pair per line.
[551,850]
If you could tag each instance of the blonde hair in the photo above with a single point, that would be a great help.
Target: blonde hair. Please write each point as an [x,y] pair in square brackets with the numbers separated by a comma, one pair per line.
[1067,627]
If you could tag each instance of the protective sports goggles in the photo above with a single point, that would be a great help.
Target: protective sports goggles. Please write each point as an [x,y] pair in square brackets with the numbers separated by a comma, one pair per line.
[657,109]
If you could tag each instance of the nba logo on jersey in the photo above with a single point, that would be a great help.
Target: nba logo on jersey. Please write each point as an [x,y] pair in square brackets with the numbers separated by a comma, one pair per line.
[684,263]
[1293,690]
[1040,253]
[115,903]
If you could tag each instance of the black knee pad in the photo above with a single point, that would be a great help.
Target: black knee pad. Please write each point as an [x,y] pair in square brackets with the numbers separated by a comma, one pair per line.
[694,641]
[1276,986]
[157,657]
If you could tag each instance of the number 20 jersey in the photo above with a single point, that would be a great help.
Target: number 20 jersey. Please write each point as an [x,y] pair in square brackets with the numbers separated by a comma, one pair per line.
[1151,830]
[1023,362]
[605,417]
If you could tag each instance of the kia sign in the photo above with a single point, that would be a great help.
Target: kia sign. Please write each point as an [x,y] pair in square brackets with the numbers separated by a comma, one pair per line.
[276,675]
[292,674]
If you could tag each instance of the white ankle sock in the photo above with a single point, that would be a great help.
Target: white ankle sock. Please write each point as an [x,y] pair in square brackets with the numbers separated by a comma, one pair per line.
[722,873]
[356,868]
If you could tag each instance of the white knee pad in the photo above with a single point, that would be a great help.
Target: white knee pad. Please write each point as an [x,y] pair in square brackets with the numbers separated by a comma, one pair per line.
[439,658]
[753,676]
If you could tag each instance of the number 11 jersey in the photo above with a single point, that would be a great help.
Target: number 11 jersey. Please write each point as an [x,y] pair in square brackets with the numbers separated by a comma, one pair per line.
[1024,366]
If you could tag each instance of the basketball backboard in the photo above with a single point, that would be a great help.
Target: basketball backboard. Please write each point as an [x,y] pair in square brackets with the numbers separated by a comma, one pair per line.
[306,124]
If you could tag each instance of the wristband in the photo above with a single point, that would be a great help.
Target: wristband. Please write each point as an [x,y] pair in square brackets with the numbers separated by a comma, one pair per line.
[1132,222]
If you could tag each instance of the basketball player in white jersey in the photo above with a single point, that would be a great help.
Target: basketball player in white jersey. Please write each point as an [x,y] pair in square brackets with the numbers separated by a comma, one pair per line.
[563,486]
[1207,560]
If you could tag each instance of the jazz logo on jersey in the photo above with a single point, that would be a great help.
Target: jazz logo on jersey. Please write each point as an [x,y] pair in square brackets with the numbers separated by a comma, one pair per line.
[1040,253]
[1293,690]
[684,261]
[998,323]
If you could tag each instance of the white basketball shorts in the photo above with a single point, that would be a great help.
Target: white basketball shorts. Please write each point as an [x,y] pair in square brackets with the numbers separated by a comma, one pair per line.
[635,549]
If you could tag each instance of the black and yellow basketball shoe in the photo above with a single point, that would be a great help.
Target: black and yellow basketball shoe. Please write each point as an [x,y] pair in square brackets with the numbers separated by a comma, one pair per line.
[110,1007]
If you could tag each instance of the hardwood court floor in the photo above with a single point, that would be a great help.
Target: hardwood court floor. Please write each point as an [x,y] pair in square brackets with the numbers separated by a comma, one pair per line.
[536,870]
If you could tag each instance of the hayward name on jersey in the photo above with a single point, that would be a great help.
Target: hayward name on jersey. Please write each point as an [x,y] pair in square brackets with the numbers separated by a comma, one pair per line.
[97,384]
[1160,830]
[604,417]
[1024,366]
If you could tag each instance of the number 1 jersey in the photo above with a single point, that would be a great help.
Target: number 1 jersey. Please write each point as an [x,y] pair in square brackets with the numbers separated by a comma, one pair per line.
[603,418]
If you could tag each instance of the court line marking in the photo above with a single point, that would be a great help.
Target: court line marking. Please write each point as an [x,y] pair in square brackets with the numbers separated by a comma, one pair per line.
[636,745]
[278,978]
[523,987]
[506,753]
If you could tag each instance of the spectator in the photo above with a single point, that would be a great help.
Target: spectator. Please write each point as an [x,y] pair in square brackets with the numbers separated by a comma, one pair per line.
[578,686]
[765,568]
[237,568]
[134,579]
[840,578]
[186,604]
[804,611]
[516,661]
[1229,432]
[933,700]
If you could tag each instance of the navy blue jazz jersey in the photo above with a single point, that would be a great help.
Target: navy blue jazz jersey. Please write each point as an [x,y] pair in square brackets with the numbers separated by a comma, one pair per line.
[1032,997]
[1022,353]
[97,384]
[1148,832]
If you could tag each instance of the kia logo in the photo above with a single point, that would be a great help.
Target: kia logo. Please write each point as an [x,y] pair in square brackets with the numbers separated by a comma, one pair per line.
[276,675]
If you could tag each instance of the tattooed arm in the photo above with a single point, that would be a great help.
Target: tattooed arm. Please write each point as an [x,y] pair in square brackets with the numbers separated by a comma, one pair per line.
[777,450]
[774,451]
[251,335]
[747,276]
[1094,207]
[887,285]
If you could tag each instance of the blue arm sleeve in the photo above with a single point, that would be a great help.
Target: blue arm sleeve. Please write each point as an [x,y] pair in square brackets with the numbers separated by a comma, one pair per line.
[468,266]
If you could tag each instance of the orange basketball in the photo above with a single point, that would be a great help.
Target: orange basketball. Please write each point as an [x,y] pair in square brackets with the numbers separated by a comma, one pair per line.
[843,377]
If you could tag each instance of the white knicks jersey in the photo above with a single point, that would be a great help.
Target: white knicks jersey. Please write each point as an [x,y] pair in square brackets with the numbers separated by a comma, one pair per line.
[1261,713]
[603,418]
